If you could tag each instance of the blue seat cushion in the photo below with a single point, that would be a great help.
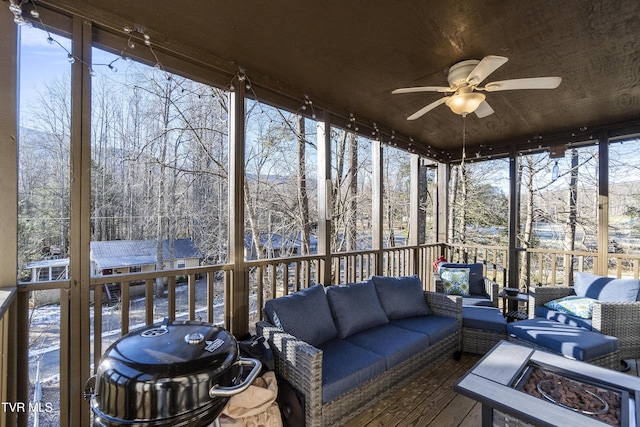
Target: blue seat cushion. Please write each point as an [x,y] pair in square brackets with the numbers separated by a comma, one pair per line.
[479,300]
[401,296]
[565,319]
[355,307]
[433,326]
[394,344]
[571,341]
[484,318]
[346,366]
[304,314]
[476,278]
[606,289]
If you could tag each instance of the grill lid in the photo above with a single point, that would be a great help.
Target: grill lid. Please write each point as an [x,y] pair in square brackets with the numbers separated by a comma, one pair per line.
[175,349]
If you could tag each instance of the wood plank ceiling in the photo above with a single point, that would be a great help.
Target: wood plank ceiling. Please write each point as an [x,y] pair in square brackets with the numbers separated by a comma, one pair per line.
[347,57]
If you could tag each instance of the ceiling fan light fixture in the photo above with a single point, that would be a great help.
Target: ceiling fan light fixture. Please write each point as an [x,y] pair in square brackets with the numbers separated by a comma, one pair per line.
[465,103]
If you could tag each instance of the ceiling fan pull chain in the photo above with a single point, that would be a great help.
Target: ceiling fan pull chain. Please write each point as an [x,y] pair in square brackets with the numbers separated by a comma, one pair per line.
[464,138]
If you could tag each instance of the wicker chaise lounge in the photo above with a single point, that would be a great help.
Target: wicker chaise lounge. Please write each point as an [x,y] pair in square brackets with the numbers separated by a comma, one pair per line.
[332,396]
[615,318]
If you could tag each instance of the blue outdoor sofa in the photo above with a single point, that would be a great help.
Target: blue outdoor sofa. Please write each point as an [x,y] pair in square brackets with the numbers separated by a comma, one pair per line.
[345,347]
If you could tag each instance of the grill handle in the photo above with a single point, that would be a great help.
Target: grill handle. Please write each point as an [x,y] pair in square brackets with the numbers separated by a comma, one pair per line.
[90,388]
[217,391]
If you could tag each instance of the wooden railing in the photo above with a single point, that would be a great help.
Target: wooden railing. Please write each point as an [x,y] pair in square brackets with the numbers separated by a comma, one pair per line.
[203,292]
[557,268]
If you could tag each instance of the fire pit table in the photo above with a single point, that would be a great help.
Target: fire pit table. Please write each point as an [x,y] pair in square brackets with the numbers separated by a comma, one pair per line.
[521,386]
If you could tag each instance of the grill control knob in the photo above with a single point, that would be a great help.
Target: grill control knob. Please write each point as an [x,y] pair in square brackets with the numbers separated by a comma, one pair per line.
[194,338]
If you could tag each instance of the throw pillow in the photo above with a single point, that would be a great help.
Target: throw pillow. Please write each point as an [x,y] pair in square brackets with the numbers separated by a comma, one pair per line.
[304,314]
[606,289]
[574,305]
[355,307]
[476,276]
[401,297]
[455,281]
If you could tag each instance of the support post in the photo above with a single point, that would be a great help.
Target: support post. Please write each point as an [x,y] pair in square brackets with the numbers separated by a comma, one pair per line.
[442,201]
[238,315]
[10,356]
[514,203]
[323,132]
[603,204]
[377,213]
[77,369]
[417,216]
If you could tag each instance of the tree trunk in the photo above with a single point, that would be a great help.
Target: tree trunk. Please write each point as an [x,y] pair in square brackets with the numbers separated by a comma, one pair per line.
[453,194]
[303,199]
[570,235]
[527,232]
[351,230]
[336,207]
[161,204]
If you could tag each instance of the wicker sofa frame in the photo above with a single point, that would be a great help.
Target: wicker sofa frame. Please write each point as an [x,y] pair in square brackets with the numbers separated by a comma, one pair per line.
[618,319]
[300,364]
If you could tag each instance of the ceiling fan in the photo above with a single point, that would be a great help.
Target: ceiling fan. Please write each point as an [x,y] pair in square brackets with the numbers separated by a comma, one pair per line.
[464,90]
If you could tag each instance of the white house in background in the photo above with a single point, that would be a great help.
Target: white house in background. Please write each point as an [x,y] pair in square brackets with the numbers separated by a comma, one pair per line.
[114,257]
[132,256]
[121,257]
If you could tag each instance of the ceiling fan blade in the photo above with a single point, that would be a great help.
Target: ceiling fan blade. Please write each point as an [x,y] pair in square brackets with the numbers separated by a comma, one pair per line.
[484,110]
[421,112]
[486,66]
[423,89]
[530,83]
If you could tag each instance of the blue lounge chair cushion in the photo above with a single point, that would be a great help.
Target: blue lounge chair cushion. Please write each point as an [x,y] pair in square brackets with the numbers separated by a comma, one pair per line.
[484,318]
[606,289]
[477,300]
[565,319]
[574,342]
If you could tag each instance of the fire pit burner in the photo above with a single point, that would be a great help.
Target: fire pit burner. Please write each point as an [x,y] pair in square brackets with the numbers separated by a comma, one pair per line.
[548,390]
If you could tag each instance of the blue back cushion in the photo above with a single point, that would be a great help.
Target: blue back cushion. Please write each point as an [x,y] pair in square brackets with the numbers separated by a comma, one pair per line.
[305,315]
[355,307]
[606,289]
[476,278]
[401,297]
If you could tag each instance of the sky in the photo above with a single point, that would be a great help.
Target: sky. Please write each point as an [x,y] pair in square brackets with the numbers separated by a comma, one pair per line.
[39,61]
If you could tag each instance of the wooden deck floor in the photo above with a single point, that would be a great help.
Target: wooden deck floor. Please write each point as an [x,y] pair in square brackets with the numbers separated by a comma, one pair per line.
[429,401]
